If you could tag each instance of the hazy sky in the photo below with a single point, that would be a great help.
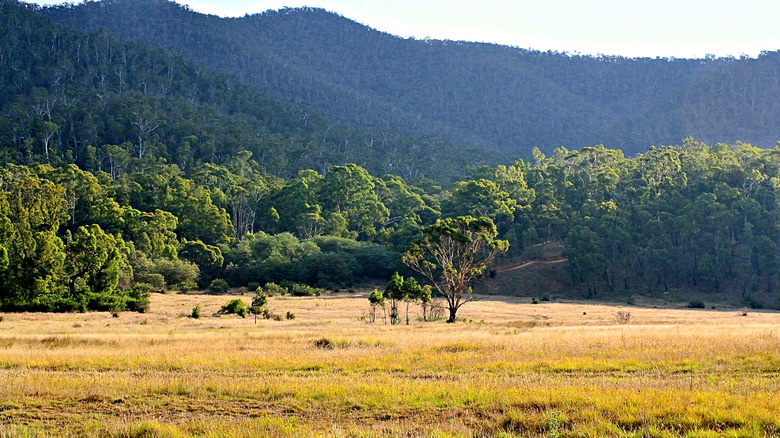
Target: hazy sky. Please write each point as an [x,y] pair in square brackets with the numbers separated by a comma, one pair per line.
[679,28]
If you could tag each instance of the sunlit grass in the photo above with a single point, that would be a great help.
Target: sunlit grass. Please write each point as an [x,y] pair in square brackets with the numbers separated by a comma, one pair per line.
[161,374]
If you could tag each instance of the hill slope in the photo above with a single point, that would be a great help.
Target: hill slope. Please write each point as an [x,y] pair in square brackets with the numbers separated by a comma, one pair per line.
[91,99]
[486,95]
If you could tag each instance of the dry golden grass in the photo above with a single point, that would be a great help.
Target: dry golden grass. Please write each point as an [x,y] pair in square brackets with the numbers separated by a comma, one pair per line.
[552,369]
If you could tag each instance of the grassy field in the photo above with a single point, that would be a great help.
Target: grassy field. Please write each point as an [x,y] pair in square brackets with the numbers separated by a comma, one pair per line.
[509,369]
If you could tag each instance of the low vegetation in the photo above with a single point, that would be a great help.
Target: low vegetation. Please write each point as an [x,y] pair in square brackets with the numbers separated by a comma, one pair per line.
[517,370]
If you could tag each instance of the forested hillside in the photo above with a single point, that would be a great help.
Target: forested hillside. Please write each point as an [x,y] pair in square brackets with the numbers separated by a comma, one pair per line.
[490,96]
[90,99]
[127,170]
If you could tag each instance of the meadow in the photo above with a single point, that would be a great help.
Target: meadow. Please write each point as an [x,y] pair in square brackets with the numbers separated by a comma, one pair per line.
[508,369]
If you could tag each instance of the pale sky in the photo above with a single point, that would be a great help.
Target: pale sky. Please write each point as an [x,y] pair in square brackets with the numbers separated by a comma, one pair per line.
[665,28]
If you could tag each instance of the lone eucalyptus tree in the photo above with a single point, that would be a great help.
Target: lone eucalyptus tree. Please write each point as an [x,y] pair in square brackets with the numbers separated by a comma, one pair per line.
[452,253]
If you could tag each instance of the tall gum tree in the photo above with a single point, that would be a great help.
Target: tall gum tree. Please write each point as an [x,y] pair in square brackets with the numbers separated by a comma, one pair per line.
[452,253]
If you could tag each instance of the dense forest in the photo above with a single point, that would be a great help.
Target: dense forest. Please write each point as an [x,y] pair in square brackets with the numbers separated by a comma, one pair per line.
[491,96]
[690,217]
[126,170]
[92,100]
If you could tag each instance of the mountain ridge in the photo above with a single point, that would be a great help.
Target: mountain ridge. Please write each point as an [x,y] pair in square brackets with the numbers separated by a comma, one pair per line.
[487,95]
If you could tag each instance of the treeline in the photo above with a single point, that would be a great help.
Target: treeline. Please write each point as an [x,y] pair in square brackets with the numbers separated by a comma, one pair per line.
[690,217]
[74,240]
[89,99]
[491,96]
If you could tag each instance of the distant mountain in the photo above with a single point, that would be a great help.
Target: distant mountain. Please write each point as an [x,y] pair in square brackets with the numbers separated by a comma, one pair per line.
[93,100]
[491,96]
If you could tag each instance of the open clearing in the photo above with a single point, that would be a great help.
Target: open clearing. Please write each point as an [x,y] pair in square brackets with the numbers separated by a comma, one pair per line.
[510,369]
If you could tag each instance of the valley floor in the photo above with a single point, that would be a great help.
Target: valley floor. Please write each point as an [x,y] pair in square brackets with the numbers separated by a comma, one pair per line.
[508,369]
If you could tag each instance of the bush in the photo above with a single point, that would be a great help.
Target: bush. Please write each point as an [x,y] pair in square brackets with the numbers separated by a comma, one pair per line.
[302,290]
[253,286]
[697,304]
[323,344]
[218,286]
[272,289]
[622,317]
[290,315]
[196,312]
[156,281]
[186,286]
[146,288]
[138,299]
[176,271]
[236,307]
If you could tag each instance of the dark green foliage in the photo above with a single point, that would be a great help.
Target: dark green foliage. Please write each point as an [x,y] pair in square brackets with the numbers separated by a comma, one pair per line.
[195,312]
[259,301]
[302,290]
[272,289]
[398,289]
[92,100]
[697,304]
[234,307]
[218,286]
[138,300]
[481,94]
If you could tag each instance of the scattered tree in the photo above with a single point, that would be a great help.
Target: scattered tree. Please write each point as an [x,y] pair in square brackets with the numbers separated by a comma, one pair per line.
[452,253]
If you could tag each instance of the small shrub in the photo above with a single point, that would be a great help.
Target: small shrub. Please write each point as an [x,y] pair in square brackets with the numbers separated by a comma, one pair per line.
[276,317]
[138,299]
[436,312]
[218,286]
[304,290]
[143,287]
[156,281]
[546,298]
[236,307]
[187,285]
[323,344]
[535,301]
[196,312]
[289,315]
[697,304]
[272,289]
[622,317]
